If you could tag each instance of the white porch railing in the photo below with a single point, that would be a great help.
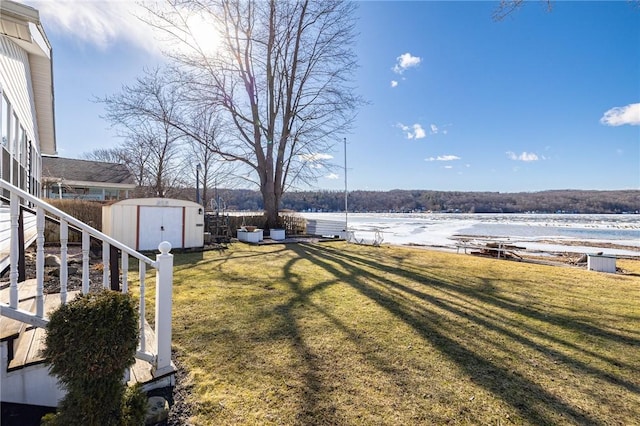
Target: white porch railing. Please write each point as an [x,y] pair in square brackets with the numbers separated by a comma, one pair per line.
[161,360]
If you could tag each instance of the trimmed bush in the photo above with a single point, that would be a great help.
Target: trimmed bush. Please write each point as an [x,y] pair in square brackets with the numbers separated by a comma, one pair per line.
[90,343]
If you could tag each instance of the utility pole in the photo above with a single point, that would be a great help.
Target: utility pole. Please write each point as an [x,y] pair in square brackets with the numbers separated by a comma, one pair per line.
[198,183]
[346,193]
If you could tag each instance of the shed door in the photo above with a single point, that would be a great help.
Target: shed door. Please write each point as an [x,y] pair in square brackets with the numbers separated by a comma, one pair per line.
[158,224]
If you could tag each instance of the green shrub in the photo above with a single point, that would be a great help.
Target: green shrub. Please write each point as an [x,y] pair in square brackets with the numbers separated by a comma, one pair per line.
[134,406]
[90,343]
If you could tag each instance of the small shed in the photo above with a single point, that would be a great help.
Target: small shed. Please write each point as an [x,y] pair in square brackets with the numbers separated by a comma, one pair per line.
[143,223]
[601,263]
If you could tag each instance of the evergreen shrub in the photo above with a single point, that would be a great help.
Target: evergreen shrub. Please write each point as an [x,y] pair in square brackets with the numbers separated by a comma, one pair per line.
[90,343]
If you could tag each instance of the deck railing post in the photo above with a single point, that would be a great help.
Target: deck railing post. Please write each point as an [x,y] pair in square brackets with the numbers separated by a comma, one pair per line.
[114,269]
[106,255]
[125,272]
[14,212]
[22,270]
[142,272]
[164,288]
[40,262]
[86,246]
[64,264]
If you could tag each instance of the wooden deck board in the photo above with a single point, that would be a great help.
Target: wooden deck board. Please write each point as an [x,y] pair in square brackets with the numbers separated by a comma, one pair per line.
[51,303]
[28,346]
[142,371]
[21,348]
[10,328]
[26,290]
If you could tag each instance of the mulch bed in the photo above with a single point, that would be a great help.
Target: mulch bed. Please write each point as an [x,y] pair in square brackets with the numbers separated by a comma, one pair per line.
[51,273]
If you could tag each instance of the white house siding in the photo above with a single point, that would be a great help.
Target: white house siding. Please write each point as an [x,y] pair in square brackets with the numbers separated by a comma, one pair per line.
[15,82]
[15,85]
[27,86]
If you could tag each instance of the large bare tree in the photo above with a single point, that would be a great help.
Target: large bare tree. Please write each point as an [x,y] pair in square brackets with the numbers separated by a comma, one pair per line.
[145,113]
[281,79]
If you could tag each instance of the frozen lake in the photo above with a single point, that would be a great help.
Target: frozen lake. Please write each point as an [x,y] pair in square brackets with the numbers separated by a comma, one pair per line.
[546,232]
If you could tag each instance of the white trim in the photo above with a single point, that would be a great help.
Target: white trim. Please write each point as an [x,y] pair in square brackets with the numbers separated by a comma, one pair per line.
[72,183]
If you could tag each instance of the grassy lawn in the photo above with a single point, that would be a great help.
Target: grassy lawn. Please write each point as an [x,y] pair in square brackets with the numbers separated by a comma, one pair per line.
[341,334]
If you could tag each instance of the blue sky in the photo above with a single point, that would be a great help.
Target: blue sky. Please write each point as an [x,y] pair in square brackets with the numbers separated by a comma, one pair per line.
[456,101]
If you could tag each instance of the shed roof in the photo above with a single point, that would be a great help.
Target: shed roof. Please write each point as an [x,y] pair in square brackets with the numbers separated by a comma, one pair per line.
[72,170]
[156,202]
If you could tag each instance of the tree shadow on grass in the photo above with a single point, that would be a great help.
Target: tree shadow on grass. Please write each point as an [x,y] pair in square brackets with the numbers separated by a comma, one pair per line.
[189,260]
[311,411]
[531,400]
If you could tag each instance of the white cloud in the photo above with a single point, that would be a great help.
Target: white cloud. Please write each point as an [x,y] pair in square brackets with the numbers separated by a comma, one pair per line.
[315,157]
[332,176]
[439,130]
[102,23]
[448,167]
[618,116]
[98,23]
[394,83]
[415,131]
[525,156]
[443,158]
[404,61]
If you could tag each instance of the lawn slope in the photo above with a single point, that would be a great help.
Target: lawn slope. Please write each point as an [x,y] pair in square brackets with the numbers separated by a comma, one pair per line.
[344,334]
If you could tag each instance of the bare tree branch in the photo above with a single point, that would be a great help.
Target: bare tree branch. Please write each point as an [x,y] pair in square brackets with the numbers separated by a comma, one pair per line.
[279,86]
[508,7]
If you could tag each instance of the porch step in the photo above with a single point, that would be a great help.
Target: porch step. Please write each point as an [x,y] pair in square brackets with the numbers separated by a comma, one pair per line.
[142,371]
[28,346]
[9,328]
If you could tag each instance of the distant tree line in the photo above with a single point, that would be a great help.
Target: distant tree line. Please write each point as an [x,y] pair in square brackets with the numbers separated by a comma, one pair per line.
[566,201]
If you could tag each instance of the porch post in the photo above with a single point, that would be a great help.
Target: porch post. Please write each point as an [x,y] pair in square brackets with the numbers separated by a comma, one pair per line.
[14,213]
[22,272]
[164,288]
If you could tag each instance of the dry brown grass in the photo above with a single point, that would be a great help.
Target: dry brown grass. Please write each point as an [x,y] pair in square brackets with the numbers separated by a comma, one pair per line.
[343,334]
[89,212]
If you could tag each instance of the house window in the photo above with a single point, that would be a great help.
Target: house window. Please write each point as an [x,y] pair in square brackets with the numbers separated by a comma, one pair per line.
[13,134]
[22,142]
[94,194]
[111,194]
[6,165]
